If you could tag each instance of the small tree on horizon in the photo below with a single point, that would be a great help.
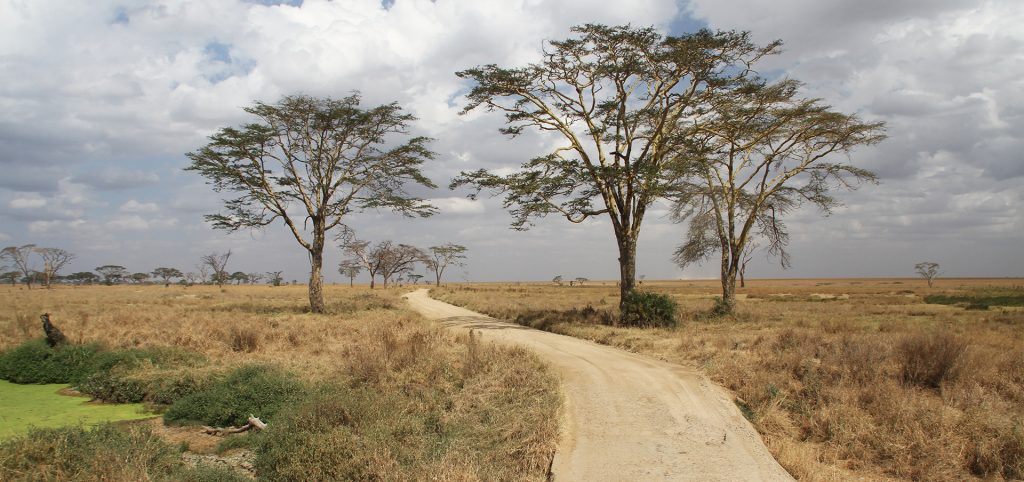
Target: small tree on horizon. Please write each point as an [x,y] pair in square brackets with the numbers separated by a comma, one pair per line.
[19,258]
[350,268]
[10,277]
[440,257]
[54,260]
[165,274]
[112,273]
[396,259]
[218,265]
[928,270]
[274,278]
[325,156]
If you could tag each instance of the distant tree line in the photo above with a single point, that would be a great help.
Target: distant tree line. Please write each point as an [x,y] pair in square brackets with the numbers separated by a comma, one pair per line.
[396,262]
[392,263]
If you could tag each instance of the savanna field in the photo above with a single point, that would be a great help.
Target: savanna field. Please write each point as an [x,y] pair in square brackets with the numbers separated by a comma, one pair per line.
[367,391]
[846,379]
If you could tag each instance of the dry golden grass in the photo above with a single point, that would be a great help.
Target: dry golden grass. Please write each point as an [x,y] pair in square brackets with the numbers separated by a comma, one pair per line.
[845,379]
[231,326]
[497,405]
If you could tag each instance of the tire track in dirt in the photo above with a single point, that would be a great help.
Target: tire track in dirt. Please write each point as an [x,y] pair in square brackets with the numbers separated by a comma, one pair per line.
[628,417]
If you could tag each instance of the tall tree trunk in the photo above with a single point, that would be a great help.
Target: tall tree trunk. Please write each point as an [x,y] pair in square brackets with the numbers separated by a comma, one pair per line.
[316,288]
[373,281]
[627,266]
[729,270]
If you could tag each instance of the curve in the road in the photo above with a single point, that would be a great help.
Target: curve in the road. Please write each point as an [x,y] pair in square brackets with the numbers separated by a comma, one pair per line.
[628,417]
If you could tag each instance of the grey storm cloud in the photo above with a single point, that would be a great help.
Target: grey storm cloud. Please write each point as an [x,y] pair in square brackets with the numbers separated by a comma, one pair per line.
[99,102]
[112,179]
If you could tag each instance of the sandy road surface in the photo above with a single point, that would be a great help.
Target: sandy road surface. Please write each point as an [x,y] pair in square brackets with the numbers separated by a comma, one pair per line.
[630,418]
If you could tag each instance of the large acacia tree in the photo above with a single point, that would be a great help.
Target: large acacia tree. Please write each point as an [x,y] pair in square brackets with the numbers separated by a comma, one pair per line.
[621,99]
[309,162]
[762,151]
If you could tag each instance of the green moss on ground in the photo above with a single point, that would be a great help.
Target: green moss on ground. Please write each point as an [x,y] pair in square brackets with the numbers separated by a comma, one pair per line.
[24,406]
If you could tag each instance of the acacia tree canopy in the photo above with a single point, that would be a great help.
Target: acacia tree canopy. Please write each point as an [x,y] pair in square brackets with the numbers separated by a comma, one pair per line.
[761,152]
[310,162]
[622,100]
[440,257]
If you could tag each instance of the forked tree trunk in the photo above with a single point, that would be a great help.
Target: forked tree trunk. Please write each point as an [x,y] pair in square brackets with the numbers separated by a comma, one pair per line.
[730,268]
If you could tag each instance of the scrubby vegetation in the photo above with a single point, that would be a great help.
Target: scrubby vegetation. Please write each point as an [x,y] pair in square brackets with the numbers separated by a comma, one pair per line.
[369,390]
[845,379]
[108,375]
[254,389]
[646,309]
[106,453]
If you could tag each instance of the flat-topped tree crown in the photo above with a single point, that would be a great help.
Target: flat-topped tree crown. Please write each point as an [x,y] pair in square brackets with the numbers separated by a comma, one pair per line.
[309,162]
[622,100]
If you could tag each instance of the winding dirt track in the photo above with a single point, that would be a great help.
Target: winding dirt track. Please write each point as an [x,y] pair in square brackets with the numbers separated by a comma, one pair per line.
[627,417]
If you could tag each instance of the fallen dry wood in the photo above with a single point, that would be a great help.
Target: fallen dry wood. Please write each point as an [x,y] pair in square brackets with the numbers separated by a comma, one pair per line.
[253,423]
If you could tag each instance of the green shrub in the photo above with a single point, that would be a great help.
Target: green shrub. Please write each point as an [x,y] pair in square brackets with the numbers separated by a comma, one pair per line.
[645,309]
[254,389]
[106,375]
[35,362]
[103,453]
[115,375]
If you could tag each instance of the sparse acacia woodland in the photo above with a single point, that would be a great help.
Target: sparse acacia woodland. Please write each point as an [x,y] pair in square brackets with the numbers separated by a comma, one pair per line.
[310,162]
[624,101]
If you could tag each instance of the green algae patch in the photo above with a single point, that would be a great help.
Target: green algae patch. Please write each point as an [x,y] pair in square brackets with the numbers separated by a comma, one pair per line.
[24,406]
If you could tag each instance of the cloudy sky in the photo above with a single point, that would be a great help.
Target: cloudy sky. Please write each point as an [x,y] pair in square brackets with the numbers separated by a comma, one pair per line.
[100,100]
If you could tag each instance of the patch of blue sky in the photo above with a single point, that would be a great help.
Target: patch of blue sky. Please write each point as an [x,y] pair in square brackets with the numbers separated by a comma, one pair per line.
[217,52]
[121,16]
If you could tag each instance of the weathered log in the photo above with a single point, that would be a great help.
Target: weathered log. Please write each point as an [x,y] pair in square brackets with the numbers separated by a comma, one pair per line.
[54,336]
[254,423]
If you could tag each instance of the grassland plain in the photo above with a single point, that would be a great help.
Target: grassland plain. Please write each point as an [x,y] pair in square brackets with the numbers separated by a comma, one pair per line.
[846,379]
[390,395]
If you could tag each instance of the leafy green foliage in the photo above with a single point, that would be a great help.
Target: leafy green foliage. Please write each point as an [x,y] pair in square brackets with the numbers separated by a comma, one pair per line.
[253,389]
[646,309]
[107,375]
[977,301]
[35,362]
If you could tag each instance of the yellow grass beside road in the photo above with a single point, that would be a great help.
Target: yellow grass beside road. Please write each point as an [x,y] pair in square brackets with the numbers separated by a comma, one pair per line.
[845,378]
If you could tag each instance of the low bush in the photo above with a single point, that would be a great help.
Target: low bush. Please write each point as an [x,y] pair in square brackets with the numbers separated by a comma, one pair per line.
[977,301]
[928,360]
[105,453]
[645,309]
[254,389]
[107,375]
[35,362]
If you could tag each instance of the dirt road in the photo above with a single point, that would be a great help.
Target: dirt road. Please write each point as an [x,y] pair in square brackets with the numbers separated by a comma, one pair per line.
[627,417]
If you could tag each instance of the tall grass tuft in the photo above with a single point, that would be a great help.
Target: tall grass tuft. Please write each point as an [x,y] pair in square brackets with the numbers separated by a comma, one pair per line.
[106,453]
[928,360]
